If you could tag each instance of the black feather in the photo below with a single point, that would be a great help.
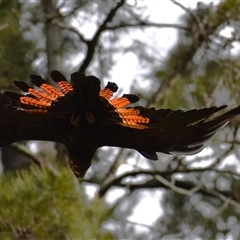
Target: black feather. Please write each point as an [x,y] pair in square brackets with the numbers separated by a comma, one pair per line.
[131,97]
[57,76]
[150,155]
[21,85]
[37,80]
[78,81]
[12,95]
[112,86]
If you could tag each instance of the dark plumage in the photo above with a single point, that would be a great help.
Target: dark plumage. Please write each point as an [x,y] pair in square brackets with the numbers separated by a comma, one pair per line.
[84,118]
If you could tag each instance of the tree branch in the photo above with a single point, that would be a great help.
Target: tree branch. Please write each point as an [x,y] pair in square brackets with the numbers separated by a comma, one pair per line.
[147,24]
[70,28]
[194,16]
[186,188]
[172,186]
[91,45]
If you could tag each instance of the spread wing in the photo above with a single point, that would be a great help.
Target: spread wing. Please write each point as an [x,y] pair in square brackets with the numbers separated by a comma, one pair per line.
[84,118]
[18,126]
[47,121]
[173,132]
[148,130]
[64,114]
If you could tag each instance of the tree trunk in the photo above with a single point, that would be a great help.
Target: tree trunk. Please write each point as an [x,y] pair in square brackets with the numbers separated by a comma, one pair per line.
[53,50]
[53,35]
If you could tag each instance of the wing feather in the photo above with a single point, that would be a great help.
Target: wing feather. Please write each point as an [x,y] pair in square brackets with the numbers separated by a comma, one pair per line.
[18,125]
[168,131]
[83,117]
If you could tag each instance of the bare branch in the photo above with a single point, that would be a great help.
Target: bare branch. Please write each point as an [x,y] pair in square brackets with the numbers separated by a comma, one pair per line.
[147,24]
[137,223]
[172,186]
[74,9]
[194,16]
[220,210]
[186,188]
[70,28]
[222,197]
[93,43]
[111,173]
[197,188]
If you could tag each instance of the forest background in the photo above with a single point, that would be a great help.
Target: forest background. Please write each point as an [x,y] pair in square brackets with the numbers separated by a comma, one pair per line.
[191,61]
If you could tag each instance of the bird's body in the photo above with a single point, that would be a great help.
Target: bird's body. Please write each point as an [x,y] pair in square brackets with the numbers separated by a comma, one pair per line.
[84,118]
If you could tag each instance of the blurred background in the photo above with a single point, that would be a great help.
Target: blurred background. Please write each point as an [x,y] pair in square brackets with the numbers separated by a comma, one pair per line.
[172,54]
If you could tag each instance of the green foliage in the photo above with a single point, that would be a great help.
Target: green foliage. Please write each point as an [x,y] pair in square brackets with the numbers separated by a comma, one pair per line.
[229,7]
[47,204]
[200,70]
[15,51]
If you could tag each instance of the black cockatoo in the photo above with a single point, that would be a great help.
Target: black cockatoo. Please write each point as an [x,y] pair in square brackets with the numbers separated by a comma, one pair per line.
[84,117]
